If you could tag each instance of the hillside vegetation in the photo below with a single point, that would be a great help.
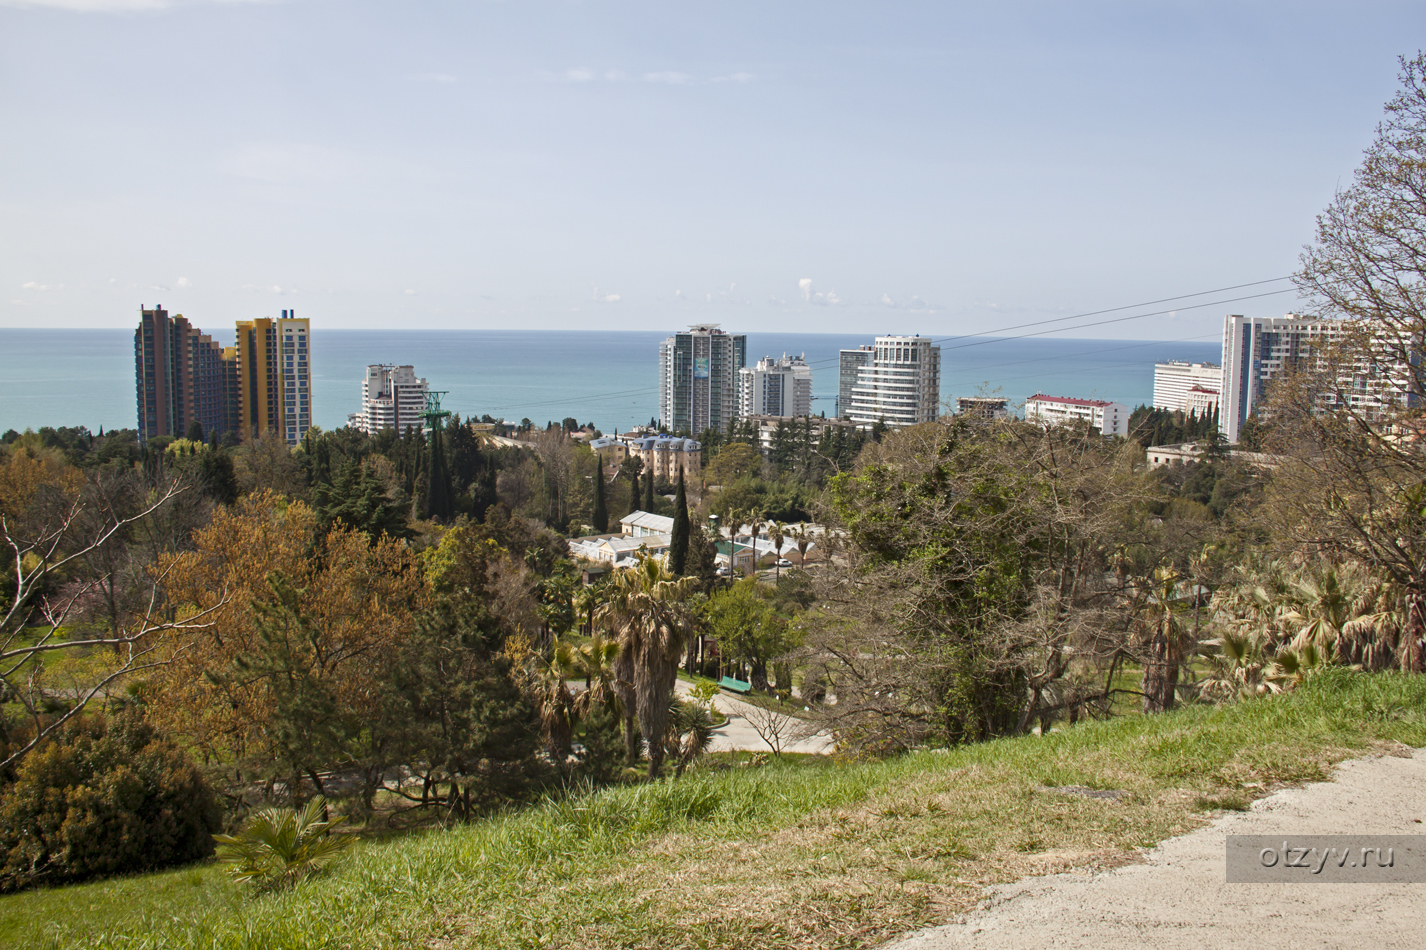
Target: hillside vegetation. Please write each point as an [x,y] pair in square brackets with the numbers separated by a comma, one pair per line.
[794,855]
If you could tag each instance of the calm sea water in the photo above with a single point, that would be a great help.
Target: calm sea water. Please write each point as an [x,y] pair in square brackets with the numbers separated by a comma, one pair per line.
[86,377]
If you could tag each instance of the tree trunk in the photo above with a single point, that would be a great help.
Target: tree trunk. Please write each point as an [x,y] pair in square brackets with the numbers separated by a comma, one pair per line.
[1161,665]
[1413,651]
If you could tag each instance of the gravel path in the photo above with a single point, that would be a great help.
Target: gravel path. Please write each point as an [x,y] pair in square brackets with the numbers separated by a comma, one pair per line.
[1178,898]
[738,735]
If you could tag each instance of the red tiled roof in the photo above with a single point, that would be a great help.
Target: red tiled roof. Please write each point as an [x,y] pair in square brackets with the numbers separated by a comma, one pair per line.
[1067,400]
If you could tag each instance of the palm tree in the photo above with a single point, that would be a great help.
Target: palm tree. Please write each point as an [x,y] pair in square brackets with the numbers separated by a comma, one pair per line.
[776,530]
[1163,654]
[690,732]
[593,662]
[554,705]
[804,541]
[648,610]
[279,846]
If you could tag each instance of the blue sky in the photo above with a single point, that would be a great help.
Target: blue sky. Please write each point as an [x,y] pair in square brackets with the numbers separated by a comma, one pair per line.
[852,167]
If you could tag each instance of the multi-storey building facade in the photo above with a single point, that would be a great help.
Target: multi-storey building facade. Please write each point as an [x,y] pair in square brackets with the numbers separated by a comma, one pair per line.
[1257,351]
[813,428]
[182,376]
[776,387]
[392,397]
[1110,418]
[275,376]
[900,385]
[664,455]
[985,407]
[698,378]
[1174,379]
[849,366]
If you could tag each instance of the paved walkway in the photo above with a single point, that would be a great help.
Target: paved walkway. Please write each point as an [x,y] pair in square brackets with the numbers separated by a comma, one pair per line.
[1178,898]
[738,735]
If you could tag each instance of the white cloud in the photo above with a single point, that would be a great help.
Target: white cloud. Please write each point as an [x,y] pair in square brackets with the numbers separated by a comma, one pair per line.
[580,75]
[616,75]
[669,78]
[914,305]
[610,298]
[434,77]
[182,282]
[42,288]
[812,296]
[735,77]
[410,292]
[160,288]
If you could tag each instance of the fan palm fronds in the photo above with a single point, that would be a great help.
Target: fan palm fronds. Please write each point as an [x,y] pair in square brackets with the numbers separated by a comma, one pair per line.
[277,847]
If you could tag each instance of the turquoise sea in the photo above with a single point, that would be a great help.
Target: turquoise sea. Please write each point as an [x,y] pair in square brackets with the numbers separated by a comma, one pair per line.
[86,377]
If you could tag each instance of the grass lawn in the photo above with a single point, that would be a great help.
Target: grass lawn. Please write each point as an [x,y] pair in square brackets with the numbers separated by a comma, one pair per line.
[806,853]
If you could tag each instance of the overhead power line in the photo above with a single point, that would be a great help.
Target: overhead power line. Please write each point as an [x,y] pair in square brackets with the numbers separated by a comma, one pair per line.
[985,337]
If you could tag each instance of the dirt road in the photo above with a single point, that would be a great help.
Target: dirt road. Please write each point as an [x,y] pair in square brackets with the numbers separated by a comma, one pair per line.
[1178,898]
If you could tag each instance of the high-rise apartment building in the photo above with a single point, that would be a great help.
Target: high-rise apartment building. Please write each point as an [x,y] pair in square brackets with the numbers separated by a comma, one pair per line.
[849,367]
[392,397]
[1260,350]
[776,387]
[182,377]
[1174,379]
[698,378]
[899,385]
[275,376]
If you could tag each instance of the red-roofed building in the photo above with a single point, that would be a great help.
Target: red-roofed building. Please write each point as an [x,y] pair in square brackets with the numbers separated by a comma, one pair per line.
[1110,418]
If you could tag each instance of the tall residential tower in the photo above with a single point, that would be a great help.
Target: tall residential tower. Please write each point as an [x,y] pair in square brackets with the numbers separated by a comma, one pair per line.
[776,387]
[181,376]
[275,376]
[392,397]
[698,378]
[898,382]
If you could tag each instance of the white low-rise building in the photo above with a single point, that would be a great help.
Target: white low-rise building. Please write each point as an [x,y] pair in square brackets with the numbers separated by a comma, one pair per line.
[641,524]
[1110,418]
[619,549]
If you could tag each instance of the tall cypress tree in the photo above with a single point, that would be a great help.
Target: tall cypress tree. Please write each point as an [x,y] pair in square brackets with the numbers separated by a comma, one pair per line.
[440,502]
[649,489]
[601,511]
[678,543]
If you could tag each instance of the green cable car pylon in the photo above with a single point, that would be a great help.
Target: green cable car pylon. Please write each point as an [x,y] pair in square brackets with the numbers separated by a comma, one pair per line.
[439,500]
[434,415]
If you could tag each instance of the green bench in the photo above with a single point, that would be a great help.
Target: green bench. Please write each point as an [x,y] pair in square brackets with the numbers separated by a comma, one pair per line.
[735,686]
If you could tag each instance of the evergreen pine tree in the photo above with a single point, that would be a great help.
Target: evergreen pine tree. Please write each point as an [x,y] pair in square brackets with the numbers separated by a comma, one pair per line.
[601,511]
[649,490]
[678,543]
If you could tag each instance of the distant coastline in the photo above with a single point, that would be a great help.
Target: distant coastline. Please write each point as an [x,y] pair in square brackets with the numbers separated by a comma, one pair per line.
[608,377]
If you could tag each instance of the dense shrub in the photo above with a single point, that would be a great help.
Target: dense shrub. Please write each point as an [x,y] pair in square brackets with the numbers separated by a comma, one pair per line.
[107,796]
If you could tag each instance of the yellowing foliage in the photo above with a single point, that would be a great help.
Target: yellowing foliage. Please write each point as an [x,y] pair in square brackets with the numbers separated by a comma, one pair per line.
[360,597]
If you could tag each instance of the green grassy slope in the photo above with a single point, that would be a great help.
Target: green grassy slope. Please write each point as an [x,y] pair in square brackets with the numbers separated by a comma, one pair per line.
[825,855]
